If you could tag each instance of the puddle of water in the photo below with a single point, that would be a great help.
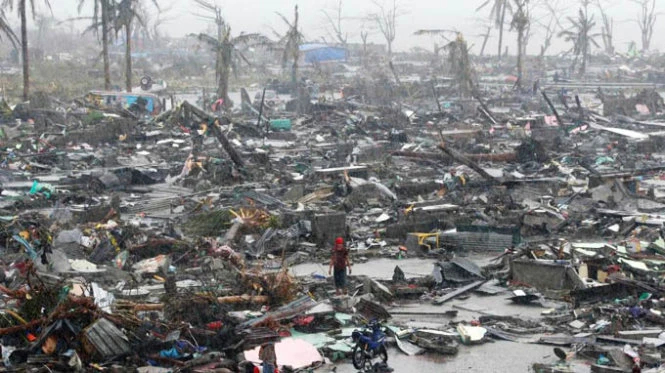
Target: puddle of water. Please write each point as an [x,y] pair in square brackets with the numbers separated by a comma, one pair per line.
[379,268]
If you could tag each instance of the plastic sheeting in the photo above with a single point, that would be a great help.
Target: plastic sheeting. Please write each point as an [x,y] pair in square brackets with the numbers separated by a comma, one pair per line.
[315,53]
[295,353]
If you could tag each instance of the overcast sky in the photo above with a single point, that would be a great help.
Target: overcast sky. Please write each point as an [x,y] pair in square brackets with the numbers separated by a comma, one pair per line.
[259,16]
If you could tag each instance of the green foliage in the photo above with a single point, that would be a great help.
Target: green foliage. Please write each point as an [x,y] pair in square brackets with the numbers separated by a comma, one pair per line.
[208,224]
[93,117]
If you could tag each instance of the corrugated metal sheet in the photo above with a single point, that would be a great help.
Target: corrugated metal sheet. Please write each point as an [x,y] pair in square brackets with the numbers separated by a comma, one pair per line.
[481,238]
[287,311]
[371,310]
[478,241]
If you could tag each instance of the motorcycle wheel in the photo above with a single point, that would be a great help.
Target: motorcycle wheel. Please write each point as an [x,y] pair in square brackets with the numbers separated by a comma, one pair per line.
[358,357]
[383,353]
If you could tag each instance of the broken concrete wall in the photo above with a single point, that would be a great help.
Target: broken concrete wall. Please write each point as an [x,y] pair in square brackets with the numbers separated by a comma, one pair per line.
[546,275]
[422,224]
[328,226]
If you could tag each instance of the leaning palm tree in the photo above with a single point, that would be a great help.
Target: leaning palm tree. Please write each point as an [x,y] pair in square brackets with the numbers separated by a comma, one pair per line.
[498,15]
[226,48]
[124,14]
[581,36]
[101,25]
[291,42]
[22,7]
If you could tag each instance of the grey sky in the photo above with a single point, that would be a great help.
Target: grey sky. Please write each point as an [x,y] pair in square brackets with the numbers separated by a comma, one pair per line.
[259,16]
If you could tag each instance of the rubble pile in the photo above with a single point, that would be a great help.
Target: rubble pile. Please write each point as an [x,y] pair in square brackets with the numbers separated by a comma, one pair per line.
[187,240]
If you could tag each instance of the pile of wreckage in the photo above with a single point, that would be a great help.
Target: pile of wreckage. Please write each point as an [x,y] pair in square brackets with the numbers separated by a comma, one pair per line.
[163,243]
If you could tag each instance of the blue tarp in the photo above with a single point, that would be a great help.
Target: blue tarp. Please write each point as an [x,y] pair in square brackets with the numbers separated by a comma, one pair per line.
[315,53]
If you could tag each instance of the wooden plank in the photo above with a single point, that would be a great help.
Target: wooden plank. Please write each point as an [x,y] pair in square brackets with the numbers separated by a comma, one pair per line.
[340,169]
[608,338]
[444,298]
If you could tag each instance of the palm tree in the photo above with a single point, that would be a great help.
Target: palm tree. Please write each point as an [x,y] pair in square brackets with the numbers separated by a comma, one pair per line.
[580,34]
[291,42]
[123,15]
[498,15]
[6,30]
[460,65]
[100,20]
[228,56]
[520,23]
[22,6]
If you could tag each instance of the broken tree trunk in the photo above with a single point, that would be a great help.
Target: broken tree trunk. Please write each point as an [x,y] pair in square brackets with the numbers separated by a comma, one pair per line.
[231,299]
[499,157]
[231,233]
[487,111]
[235,157]
[459,157]
[556,113]
[458,292]
[214,128]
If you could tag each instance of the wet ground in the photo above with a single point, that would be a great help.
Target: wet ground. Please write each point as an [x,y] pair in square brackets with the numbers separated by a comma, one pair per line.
[489,357]
[494,356]
[378,268]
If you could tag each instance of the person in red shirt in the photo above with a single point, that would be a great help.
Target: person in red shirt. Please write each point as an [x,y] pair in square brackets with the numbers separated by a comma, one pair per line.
[340,262]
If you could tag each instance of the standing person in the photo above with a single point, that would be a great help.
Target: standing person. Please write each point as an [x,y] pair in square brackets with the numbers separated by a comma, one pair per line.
[340,262]
[268,357]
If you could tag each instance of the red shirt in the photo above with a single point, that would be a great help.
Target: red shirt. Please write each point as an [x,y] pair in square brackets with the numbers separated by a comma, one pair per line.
[339,256]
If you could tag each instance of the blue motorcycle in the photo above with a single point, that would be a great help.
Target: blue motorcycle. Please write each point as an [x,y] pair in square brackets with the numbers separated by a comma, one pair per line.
[370,343]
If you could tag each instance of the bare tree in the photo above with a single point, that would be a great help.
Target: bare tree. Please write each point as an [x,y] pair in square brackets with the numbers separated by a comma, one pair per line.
[291,42]
[460,65]
[551,26]
[153,21]
[364,34]
[646,20]
[486,37]
[334,20]
[607,28]
[500,8]
[101,25]
[520,23]
[386,21]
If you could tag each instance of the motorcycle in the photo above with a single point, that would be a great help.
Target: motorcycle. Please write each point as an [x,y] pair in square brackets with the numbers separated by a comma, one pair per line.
[370,343]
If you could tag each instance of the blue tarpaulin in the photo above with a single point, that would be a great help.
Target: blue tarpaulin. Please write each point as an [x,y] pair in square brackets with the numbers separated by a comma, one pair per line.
[315,53]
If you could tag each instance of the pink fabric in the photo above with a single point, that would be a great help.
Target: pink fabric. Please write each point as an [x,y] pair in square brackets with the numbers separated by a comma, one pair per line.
[295,353]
